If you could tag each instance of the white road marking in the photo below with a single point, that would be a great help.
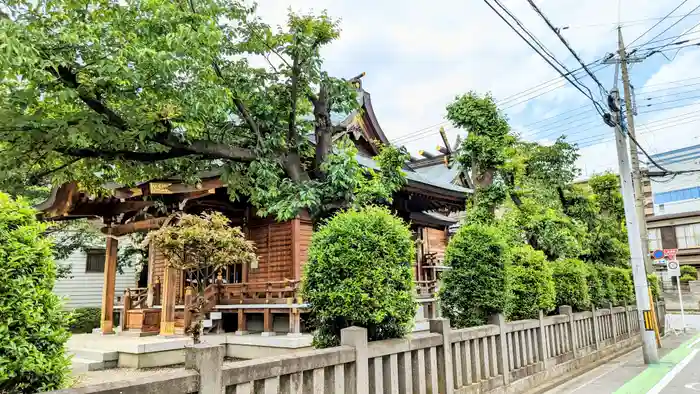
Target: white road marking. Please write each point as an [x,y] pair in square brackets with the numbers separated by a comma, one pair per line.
[693,386]
[693,343]
[672,373]
[598,377]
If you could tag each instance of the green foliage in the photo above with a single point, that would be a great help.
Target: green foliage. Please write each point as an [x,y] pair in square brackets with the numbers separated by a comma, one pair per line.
[689,270]
[687,278]
[607,191]
[101,92]
[359,274]
[206,240]
[609,289]
[84,320]
[549,230]
[624,287]
[570,280]
[653,282]
[596,289]
[530,277]
[32,325]
[477,285]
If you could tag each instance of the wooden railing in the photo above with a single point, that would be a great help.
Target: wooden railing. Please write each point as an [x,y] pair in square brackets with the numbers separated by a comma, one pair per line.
[426,288]
[280,292]
[135,298]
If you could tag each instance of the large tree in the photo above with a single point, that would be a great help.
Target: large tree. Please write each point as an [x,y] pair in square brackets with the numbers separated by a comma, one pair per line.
[101,91]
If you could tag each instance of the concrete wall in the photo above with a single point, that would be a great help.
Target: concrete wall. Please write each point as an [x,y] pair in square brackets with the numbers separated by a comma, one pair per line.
[502,357]
[84,289]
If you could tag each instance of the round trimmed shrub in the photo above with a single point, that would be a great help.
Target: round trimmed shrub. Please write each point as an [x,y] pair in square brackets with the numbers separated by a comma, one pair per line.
[531,282]
[570,282]
[596,291]
[624,287]
[688,270]
[477,284]
[606,277]
[359,274]
[33,327]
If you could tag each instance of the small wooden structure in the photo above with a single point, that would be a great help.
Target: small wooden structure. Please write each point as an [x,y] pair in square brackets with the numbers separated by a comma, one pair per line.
[271,287]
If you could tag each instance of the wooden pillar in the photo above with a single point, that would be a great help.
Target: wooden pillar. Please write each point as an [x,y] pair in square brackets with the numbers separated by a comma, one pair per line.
[242,323]
[167,313]
[189,296]
[268,320]
[294,322]
[125,311]
[110,274]
[151,270]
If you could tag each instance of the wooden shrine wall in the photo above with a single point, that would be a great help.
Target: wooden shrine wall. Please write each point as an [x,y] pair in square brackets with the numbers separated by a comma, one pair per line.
[273,243]
[435,241]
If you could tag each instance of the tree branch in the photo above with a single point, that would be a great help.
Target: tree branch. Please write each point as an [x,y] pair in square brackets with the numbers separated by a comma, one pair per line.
[207,148]
[35,178]
[145,157]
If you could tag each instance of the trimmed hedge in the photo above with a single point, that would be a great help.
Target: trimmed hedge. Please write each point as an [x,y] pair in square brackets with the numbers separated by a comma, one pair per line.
[621,279]
[609,291]
[531,281]
[84,320]
[653,282]
[687,270]
[32,323]
[596,289]
[570,280]
[477,284]
[359,274]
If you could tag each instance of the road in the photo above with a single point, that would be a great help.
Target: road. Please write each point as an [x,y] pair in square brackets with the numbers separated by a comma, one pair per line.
[678,372]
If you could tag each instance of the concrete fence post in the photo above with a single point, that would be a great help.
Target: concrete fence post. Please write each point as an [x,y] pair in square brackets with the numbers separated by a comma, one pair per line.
[628,325]
[613,323]
[356,337]
[596,328]
[569,311]
[501,346]
[444,355]
[542,341]
[207,360]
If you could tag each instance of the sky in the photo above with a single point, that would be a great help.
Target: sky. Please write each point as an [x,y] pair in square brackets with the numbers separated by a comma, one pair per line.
[420,55]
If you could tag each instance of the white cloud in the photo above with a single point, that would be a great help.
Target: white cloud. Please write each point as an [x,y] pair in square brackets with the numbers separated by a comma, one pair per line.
[418,55]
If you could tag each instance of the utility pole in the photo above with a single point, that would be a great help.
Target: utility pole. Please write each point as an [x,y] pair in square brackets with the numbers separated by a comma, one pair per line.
[634,157]
[641,289]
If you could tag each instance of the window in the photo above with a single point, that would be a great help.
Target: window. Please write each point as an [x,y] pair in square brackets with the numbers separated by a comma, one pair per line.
[95,260]
[654,239]
[677,195]
[688,236]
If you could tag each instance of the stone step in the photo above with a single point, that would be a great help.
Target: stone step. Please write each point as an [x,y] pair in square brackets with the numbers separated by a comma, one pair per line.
[95,354]
[79,365]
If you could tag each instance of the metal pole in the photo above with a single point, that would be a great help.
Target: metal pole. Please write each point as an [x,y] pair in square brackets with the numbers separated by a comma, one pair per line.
[641,289]
[634,156]
[680,300]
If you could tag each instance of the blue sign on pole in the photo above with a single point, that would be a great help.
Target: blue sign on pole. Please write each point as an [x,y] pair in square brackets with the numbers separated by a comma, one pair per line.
[657,254]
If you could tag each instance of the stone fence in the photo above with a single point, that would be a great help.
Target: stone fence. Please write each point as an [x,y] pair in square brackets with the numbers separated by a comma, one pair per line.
[502,357]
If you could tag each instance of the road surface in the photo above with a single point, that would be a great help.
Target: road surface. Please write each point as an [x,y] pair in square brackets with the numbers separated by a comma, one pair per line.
[678,372]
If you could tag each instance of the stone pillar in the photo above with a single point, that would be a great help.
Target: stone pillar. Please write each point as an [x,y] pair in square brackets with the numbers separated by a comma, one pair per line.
[596,329]
[189,296]
[125,310]
[110,276]
[167,313]
[628,325]
[568,311]
[356,337]
[542,341]
[613,327]
[206,359]
[242,323]
[446,382]
[501,346]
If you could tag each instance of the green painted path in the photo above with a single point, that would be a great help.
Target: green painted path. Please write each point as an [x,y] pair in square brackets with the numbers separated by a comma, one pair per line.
[653,374]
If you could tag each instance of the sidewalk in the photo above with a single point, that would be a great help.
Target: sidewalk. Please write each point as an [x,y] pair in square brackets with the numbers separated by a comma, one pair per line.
[628,374]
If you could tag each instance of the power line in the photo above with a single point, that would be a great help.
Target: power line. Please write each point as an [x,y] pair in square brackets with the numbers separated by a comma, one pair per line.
[659,22]
[590,97]
[622,23]
[566,44]
[674,24]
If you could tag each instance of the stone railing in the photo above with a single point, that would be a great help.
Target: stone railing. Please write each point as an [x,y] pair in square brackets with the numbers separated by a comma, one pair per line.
[508,356]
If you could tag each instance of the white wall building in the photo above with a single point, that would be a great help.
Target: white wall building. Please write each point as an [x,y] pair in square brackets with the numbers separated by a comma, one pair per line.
[679,194]
[84,286]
